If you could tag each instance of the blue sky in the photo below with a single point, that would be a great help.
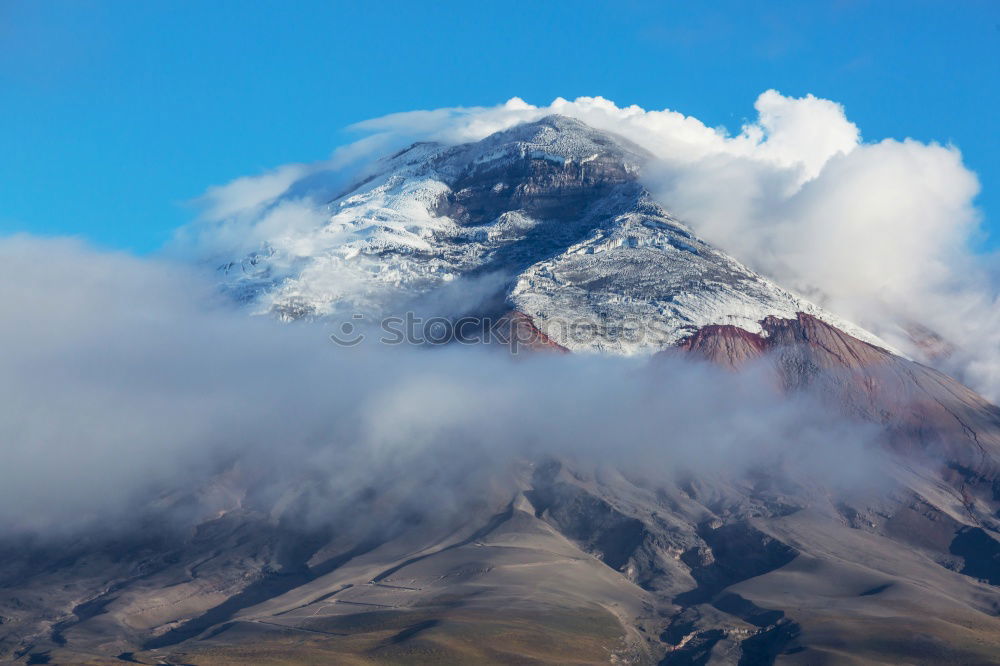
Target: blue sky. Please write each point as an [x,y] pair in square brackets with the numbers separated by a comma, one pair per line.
[114,114]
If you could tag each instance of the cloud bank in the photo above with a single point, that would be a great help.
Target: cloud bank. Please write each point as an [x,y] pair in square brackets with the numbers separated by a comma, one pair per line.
[129,387]
[882,233]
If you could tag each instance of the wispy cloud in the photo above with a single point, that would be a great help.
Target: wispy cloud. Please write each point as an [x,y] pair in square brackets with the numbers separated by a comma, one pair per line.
[129,387]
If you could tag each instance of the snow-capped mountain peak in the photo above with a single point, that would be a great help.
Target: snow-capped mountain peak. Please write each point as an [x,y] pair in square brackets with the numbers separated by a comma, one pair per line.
[553,211]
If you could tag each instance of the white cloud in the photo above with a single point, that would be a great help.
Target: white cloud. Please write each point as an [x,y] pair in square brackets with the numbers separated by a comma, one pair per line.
[250,192]
[798,133]
[128,383]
